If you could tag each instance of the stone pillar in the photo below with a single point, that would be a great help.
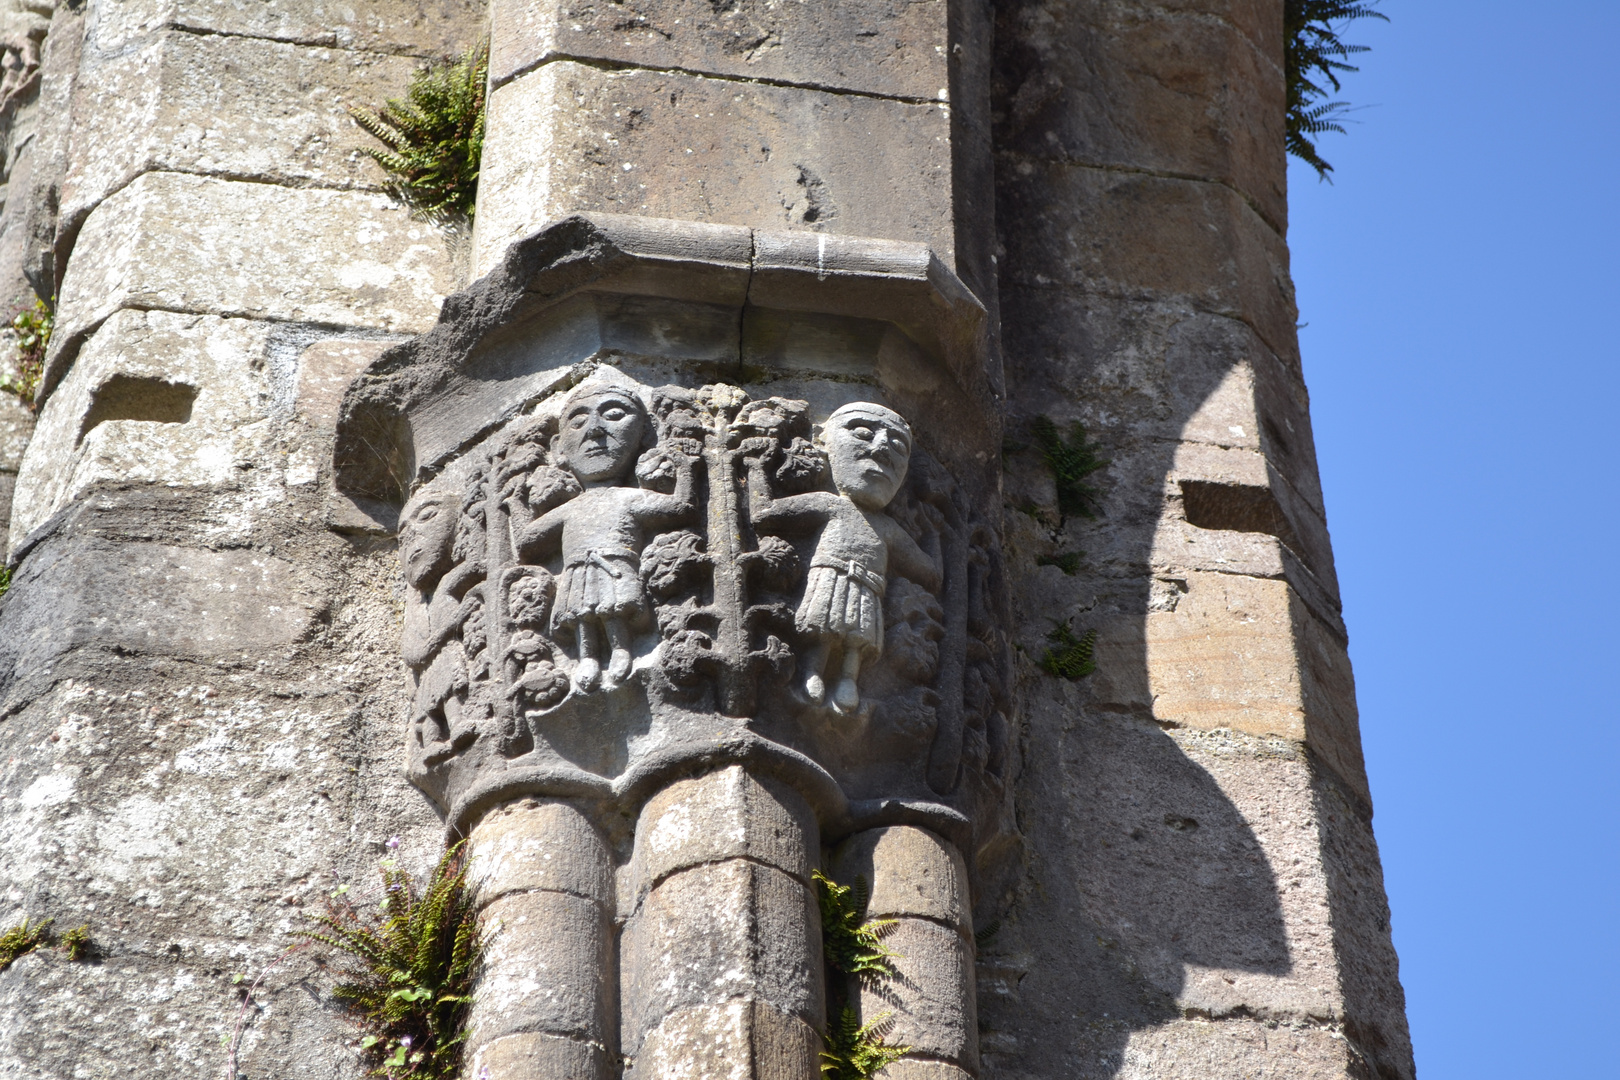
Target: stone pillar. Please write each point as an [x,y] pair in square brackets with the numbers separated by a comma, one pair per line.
[722,972]
[919,879]
[849,117]
[544,1006]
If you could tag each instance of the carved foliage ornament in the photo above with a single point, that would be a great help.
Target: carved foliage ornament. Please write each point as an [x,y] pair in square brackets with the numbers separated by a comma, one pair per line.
[628,576]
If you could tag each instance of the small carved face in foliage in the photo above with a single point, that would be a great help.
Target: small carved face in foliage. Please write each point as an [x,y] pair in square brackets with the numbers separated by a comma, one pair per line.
[868,449]
[426,528]
[600,434]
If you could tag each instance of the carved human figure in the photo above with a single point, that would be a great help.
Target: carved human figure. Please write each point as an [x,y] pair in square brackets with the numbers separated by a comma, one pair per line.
[868,449]
[442,581]
[601,433]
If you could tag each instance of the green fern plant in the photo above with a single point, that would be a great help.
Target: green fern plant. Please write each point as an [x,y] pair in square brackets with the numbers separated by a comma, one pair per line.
[409,972]
[1313,59]
[434,137]
[856,1051]
[853,946]
[1069,657]
[853,943]
[5,579]
[1071,460]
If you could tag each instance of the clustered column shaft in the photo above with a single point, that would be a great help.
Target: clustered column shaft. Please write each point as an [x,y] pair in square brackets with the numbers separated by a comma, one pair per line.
[544,1006]
[722,948]
[919,880]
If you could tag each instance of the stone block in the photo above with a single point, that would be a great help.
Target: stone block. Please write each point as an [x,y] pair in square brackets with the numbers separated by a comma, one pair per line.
[236,107]
[104,423]
[908,1068]
[220,247]
[1195,1050]
[731,1040]
[1146,237]
[721,815]
[430,28]
[1238,653]
[325,370]
[930,1003]
[569,137]
[1187,94]
[540,846]
[547,956]
[910,871]
[161,598]
[890,48]
[725,931]
[525,1057]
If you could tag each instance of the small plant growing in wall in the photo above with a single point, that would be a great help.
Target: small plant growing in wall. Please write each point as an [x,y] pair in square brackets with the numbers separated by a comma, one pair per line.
[32,328]
[1069,656]
[1072,459]
[27,937]
[434,137]
[407,980]
[855,954]
[1313,58]
[5,579]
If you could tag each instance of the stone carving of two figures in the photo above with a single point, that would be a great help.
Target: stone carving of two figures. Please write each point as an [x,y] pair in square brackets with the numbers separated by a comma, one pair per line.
[603,431]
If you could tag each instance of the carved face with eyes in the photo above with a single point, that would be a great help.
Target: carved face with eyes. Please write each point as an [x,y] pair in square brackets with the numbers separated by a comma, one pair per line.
[600,435]
[868,449]
[426,528]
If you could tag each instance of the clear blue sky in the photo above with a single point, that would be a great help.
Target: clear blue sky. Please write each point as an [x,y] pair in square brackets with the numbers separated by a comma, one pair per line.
[1460,285]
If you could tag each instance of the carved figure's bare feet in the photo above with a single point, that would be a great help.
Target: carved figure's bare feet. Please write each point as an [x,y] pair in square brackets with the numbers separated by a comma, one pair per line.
[587,675]
[619,665]
[815,689]
[847,697]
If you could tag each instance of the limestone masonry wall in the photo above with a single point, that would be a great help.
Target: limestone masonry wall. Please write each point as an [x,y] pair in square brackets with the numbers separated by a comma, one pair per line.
[976,213]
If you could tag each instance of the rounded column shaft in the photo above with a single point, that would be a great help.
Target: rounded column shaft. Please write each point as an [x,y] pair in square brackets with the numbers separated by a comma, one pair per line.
[543,1008]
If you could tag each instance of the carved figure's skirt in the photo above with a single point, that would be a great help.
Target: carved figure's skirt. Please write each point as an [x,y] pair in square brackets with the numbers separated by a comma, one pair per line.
[837,605]
[604,585]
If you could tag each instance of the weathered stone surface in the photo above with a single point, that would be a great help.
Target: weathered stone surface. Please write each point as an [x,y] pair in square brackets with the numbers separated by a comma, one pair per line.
[910,1068]
[1236,1048]
[431,28]
[540,846]
[522,1057]
[723,815]
[892,48]
[669,145]
[1185,878]
[909,871]
[325,370]
[545,969]
[729,932]
[261,251]
[157,596]
[732,1040]
[100,426]
[234,107]
[1146,237]
[134,789]
[930,1002]
[1193,90]
[1234,652]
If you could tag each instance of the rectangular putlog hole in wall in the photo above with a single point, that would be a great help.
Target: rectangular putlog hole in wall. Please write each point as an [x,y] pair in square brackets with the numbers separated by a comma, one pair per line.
[1236,508]
[133,397]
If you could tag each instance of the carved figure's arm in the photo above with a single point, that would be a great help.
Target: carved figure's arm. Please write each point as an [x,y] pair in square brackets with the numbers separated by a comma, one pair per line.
[766,509]
[655,504]
[907,557]
[537,537]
